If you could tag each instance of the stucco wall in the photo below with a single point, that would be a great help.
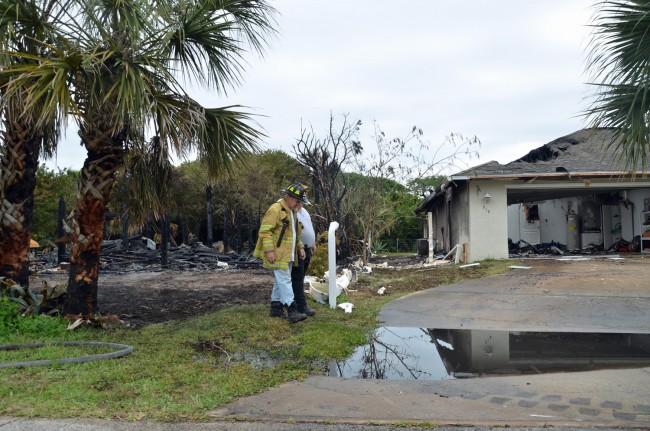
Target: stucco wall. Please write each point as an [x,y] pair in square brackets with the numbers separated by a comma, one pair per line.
[488,227]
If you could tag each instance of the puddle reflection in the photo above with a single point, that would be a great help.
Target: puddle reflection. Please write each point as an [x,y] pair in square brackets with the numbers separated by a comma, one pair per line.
[440,354]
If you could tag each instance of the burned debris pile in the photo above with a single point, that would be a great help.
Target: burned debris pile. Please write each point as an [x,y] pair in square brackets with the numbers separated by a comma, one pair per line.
[143,254]
[522,248]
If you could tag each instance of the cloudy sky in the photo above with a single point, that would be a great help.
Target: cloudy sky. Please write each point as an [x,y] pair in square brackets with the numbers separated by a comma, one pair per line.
[510,72]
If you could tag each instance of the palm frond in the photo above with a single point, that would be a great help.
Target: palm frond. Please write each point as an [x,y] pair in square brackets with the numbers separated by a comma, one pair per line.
[118,19]
[255,19]
[149,174]
[176,120]
[46,83]
[207,40]
[200,45]
[226,139]
[619,61]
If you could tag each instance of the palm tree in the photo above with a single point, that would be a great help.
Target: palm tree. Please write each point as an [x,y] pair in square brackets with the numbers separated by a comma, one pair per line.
[24,27]
[118,73]
[619,60]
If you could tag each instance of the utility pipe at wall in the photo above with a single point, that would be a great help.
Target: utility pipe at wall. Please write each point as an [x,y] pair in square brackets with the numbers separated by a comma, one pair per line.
[331,263]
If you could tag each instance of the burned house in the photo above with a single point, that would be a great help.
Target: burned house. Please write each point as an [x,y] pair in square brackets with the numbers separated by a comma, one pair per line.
[568,193]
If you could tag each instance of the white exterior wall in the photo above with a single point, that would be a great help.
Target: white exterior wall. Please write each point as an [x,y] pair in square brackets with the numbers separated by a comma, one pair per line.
[488,221]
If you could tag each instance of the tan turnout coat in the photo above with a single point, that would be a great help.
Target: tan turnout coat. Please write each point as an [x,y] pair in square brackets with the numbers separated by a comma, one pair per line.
[271,226]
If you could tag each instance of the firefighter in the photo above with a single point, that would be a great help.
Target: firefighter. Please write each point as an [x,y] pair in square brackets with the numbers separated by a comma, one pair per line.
[279,246]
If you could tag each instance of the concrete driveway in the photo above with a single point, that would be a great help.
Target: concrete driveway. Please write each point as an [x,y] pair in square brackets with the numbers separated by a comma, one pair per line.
[596,295]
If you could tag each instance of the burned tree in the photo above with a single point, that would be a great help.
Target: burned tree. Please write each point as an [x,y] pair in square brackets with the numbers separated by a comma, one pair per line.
[390,175]
[325,158]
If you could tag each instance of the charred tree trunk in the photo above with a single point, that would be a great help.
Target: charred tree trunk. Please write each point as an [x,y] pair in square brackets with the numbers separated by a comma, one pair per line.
[105,156]
[60,250]
[18,165]
[238,230]
[184,231]
[164,241]
[250,232]
[208,198]
[226,243]
[125,228]
[197,227]
[148,231]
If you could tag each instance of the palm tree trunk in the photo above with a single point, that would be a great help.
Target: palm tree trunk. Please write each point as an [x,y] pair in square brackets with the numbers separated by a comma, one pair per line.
[18,165]
[105,157]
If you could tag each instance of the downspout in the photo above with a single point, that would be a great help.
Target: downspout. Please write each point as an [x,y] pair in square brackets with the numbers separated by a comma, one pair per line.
[449,242]
[430,223]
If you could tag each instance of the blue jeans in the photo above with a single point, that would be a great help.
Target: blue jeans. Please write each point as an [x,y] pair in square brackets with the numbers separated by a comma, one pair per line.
[282,290]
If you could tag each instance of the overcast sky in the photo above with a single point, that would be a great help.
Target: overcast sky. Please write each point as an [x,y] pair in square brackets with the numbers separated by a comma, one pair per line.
[510,72]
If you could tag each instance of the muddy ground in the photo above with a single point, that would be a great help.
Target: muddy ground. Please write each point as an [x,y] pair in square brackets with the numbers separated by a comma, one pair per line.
[147,295]
[143,297]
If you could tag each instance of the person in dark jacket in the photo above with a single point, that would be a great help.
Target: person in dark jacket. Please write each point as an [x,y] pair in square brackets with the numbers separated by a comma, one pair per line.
[298,272]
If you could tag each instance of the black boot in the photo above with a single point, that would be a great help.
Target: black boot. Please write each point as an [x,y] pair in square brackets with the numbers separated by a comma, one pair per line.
[293,315]
[277,310]
[304,309]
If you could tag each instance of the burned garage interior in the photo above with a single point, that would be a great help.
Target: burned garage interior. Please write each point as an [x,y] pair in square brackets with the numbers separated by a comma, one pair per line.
[568,196]
[592,223]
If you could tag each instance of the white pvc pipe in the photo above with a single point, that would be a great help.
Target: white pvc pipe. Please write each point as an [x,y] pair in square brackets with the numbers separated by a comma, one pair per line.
[331,263]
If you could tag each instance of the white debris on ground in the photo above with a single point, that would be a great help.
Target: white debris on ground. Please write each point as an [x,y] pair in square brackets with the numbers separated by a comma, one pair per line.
[319,290]
[346,306]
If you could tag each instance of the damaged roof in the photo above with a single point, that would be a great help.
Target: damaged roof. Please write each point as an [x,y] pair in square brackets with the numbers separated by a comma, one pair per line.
[585,152]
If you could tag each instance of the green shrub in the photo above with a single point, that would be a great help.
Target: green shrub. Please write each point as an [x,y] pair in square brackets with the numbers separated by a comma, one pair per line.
[379,247]
[42,326]
[13,322]
[9,314]
[319,262]
[31,303]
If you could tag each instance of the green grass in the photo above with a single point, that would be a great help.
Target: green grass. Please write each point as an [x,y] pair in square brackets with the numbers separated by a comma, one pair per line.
[181,370]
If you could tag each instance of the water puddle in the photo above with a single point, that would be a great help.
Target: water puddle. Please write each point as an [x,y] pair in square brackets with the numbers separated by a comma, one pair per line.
[440,354]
